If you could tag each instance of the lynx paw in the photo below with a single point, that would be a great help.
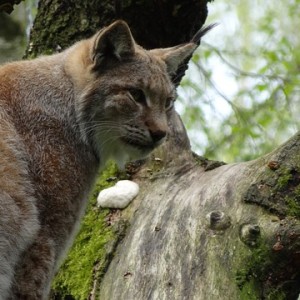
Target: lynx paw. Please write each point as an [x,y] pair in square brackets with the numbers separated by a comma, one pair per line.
[119,195]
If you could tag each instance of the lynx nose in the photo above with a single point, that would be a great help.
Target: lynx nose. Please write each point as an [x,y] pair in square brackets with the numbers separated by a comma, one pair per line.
[157,136]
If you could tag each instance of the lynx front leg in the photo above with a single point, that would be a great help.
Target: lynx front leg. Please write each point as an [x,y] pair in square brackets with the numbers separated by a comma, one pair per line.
[34,275]
[18,227]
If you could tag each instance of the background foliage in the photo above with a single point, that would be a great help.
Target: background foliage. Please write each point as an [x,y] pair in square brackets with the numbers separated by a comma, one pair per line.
[239,98]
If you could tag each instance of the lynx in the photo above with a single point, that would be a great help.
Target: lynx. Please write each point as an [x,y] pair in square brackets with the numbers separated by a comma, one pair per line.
[61,118]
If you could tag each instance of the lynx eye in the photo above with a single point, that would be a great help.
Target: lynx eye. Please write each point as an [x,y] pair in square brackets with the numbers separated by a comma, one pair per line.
[138,95]
[169,103]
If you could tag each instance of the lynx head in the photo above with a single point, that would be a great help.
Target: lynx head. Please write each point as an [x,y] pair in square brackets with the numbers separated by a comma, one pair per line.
[124,93]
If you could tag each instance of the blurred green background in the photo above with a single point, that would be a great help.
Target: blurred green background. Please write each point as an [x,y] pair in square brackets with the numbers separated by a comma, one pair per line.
[240,98]
[13,36]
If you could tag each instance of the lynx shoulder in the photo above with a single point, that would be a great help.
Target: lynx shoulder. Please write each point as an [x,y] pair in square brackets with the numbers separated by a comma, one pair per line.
[61,118]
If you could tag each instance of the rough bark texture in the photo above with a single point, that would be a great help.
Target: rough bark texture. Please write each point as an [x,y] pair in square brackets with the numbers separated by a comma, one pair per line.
[154,24]
[8,5]
[198,229]
[193,234]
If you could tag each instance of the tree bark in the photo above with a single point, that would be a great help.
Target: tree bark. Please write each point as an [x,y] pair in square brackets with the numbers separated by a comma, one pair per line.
[8,5]
[198,229]
[227,233]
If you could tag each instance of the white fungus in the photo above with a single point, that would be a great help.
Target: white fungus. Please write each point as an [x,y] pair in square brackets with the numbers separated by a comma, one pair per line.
[119,195]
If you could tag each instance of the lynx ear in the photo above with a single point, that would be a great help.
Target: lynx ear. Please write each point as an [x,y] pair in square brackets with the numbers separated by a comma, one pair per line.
[114,41]
[175,56]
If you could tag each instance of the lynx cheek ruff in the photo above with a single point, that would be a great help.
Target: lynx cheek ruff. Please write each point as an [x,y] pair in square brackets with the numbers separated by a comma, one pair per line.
[119,195]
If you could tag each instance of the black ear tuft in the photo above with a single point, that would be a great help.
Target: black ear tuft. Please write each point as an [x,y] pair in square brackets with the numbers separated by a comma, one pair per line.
[176,58]
[114,41]
[201,32]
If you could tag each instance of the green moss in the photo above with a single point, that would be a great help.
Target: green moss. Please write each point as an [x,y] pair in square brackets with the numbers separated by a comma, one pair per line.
[276,294]
[293,206]
[249,277]
[283,180]
[292,197]
[277,190]
[91,251]
[289,189]
[253,278]
[248,291]
[254,264]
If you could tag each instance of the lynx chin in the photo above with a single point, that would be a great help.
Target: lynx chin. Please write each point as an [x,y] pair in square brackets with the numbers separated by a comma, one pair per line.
[61,118]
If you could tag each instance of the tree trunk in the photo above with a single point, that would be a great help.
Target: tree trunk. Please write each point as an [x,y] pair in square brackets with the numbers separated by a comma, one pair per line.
[198,229]
[226,233]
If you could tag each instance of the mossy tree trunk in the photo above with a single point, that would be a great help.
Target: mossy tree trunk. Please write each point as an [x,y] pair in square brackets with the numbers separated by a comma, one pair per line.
[198,229]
